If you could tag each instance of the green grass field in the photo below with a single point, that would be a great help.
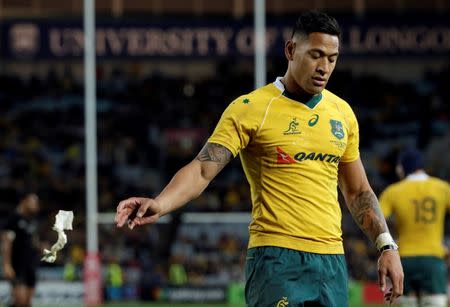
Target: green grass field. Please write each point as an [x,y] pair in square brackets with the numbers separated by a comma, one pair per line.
[137,304]
[193,305]
[206,305]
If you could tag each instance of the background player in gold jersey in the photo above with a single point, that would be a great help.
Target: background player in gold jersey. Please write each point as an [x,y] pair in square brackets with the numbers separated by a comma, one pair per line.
[297,143]
[418,204]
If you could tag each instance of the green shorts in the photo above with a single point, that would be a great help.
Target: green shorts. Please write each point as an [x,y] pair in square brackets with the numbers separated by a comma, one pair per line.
[279,277]
[424,274]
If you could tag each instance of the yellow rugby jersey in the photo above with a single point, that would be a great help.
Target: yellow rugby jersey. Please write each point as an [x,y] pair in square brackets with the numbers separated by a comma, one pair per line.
[418,204]
[290,152]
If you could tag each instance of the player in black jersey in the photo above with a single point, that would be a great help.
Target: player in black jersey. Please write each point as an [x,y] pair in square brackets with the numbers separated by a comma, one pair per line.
[20,255]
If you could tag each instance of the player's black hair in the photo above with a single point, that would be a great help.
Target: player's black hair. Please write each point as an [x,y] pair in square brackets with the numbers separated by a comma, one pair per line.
[411,160]
[315,21]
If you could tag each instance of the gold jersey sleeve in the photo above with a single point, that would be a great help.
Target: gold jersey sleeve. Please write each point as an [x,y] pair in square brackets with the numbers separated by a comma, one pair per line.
[239,123]
[418,208]
[352,149]
[290,152]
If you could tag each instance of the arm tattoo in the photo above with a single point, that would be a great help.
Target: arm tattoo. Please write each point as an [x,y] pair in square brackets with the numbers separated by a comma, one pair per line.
[367,214]
[215,153]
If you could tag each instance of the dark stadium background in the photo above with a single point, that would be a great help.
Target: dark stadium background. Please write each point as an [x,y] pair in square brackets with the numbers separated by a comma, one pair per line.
[165,72]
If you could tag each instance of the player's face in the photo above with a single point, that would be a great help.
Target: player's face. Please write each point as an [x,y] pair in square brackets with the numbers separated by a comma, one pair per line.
[312,60]
[32,204]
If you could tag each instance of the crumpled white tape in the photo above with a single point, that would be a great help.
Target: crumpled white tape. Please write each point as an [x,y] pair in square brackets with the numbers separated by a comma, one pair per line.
[63,221]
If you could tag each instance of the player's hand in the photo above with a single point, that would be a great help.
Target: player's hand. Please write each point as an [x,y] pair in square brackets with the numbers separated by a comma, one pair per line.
[137,211]
[389,265]
[447,255]
[9,272]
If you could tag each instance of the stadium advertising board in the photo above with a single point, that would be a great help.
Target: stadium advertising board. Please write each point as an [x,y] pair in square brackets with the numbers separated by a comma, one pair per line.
[55,293]
[56,39]
[194,294]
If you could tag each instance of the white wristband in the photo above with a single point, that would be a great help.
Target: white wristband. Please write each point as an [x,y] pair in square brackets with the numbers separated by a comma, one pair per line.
[384,239]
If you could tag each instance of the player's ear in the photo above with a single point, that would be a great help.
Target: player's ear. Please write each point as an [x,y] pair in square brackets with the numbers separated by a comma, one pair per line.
[289,48]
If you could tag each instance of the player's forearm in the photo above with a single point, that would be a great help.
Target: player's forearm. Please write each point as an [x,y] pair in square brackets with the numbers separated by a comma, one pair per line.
[6,250]
[187,184]
[367,214]
[361,201]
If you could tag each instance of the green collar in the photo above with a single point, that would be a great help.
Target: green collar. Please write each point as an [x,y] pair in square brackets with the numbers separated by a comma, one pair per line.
[310,103]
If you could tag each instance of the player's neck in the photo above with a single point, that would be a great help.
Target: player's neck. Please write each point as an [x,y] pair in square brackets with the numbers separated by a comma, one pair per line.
[293,90]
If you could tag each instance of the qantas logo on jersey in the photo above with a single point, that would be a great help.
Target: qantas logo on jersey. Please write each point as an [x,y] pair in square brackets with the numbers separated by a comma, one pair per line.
[319,156]
[284,158]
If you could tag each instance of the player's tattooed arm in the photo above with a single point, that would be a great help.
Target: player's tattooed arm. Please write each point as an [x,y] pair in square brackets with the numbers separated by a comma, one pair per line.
[367,214]
[187,184]
[217,155]
[361,200]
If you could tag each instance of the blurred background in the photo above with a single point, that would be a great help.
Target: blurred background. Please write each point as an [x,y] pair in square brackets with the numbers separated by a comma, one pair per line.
[165,72]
